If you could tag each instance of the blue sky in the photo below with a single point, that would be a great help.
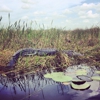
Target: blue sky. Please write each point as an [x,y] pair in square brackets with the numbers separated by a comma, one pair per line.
[64,13]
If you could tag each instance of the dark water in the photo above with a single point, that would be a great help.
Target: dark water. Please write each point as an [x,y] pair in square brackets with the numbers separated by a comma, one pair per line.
[36,87]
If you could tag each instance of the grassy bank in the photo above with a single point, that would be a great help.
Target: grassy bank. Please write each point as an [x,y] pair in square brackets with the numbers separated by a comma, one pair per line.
[19,35]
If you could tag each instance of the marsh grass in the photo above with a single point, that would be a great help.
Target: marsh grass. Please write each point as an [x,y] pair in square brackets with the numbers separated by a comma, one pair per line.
[22,35]
[5,56]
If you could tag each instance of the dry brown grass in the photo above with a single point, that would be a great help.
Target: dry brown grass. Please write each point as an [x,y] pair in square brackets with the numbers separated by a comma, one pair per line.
[5,56]
[43,62]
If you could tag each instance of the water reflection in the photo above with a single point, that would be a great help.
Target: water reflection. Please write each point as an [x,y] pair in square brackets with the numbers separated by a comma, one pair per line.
[36,87]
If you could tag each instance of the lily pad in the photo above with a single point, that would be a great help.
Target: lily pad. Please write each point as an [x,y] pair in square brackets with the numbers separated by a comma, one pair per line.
[85,67]
[80,87]
[54,74]
[58,77]
[98,72]
[81,72]
[47,75]
[84,78]
[78,82]
[62,78]
[66,83]
[97,78]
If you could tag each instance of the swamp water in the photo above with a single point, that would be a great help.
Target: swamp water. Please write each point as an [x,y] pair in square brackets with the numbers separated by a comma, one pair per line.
[37,87]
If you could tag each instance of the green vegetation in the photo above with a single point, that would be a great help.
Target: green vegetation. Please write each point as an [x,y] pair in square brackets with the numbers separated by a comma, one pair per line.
[78,81]
[81,72]
[54,74]
[98,72]
[58,77]
[84,78]
[80,87]
[96,78]
[22,35]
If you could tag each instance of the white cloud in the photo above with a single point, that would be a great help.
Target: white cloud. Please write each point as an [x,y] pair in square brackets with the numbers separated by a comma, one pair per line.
[39,13]
[88,14]
[70,12]
[4,8]
[25,18]
[81,12]
[83,16]
[67,11]
[57,15]
[98,7]
[37,20]
[27,1]
[86,6]
[86,21]
[57,4]
[68,21]
[46,18]
[25,6]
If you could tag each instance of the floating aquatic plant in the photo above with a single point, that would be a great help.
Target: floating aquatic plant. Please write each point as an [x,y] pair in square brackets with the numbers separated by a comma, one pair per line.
[81,72]
[80,87]
[98,72]
[97,78]
[78,82]
[66,83]
[51,75]
[84,78]
[62,78]
[58,77]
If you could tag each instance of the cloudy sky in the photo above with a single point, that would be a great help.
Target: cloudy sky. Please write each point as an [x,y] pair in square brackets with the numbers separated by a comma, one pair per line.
[64,13]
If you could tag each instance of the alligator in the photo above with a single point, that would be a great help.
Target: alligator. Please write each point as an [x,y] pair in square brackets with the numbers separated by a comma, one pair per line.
[40,52]
[29,52]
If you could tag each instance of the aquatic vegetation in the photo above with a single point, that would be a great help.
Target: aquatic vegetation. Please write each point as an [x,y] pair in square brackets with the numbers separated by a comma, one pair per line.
[84,78]
[81,72]
[58,77]
[80,87]
[98,72]
[78,82]
[97,78]
[66,83]
[62,78]
[54,74]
